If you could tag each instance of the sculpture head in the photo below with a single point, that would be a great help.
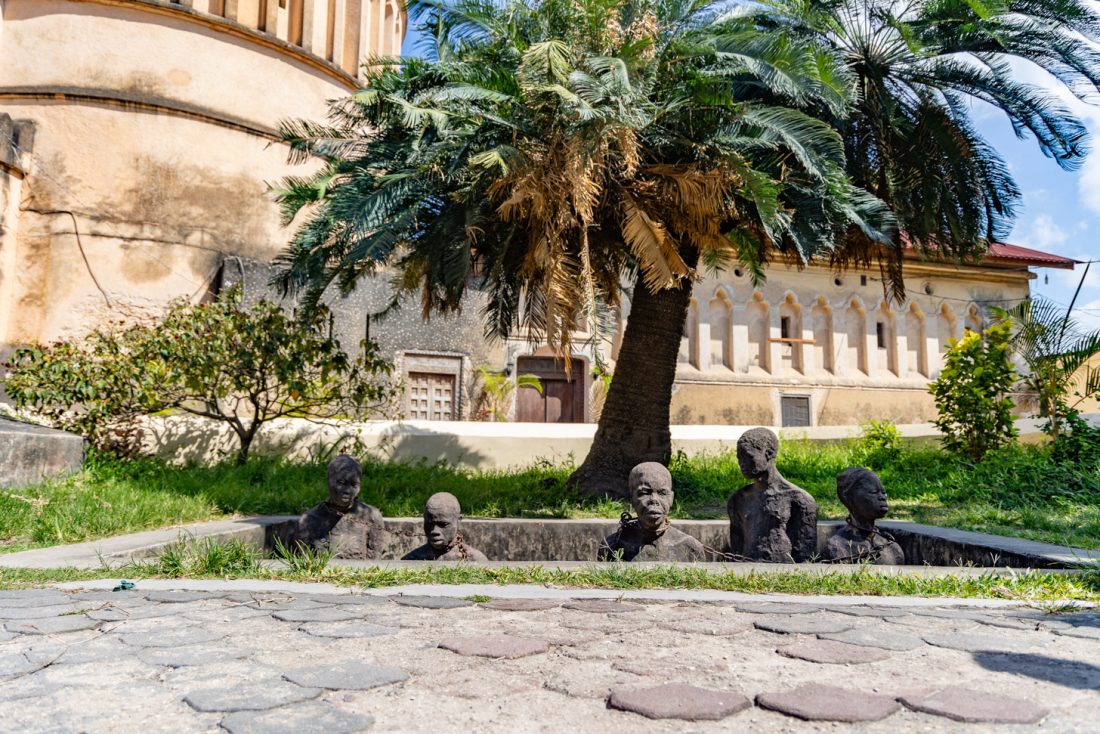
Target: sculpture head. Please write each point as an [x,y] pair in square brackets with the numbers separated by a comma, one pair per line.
[344,475]
[441,516]
[651,494]
[862,493]
[756,452]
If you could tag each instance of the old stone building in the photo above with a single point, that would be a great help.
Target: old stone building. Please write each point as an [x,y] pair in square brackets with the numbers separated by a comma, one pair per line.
[137,137]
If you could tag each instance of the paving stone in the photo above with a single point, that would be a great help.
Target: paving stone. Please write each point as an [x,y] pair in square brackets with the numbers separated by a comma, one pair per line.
[817,702]
[976,707]
[249,697]
[971,642]
[32,612]
[679,701]
[5,635]
[349,676]
[432,602]
[862,611]
[170,637]
[887,639]
[17,664]
[495,646]
[601,606]
[120,613]
[776,608]
[319,614]
[349,599]
[306,718]
[1088,633]
[189,655]
[717,627]
[21,600]
[833,653]
[181,597]
[277,605]
[53,625]
[346,631]
[520,605]
[802,625]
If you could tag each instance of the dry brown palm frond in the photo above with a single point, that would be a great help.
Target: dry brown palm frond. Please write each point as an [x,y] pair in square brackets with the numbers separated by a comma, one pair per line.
[651,244]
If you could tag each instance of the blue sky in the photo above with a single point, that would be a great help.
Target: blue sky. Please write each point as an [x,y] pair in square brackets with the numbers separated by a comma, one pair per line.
[1061,209]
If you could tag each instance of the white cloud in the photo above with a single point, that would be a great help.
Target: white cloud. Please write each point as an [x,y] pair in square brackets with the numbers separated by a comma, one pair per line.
[1088,183]
[1044,232]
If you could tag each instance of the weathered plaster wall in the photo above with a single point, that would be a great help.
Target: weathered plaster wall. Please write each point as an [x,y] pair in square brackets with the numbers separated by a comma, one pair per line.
[154,146]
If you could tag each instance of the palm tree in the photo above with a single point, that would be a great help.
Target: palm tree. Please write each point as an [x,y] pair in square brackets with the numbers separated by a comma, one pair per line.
[919,67]
[1057,353]
[552,149]
[498,389]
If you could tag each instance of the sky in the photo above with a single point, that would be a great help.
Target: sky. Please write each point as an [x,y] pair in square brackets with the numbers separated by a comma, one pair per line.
[1060,210]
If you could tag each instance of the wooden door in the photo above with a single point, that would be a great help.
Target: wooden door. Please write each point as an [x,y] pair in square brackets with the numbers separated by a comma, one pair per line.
[431,397]
[562,399]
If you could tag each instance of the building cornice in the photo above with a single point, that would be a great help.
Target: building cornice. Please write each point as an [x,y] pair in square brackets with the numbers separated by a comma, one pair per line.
[238,30]
[141,102]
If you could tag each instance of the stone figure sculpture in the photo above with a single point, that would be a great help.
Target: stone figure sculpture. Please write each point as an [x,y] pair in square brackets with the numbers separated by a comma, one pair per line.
[342,524]
[861,491]
[771,519]
[649,536]
[445,543]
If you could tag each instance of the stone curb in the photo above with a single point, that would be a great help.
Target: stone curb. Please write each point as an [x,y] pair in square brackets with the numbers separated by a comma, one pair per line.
[520,591]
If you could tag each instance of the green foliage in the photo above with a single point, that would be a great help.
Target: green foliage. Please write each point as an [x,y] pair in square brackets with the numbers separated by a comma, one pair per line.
[241,365]
[497,391]
[1057,352]
[879,444]
[972,392]
[548,148]
[205,557]
[303,559]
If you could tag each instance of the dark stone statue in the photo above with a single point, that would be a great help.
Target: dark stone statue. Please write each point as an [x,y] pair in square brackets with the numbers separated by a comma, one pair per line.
[771,520]
[445,542]
[862,493]
[649,536]
[342,525]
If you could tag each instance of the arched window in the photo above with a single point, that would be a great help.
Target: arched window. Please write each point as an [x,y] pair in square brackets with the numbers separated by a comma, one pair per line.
[886,340]
[756,313]
[855,327]
[790,328]
[689,342]
[822,358]
[916,341]
[720,318]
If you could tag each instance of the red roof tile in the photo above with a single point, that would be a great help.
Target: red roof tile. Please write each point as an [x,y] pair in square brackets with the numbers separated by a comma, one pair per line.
[1005,251]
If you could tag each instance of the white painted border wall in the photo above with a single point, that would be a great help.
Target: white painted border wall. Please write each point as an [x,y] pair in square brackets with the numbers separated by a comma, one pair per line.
[474,445]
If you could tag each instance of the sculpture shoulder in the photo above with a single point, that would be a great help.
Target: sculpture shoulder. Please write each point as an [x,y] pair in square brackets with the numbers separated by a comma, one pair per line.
[423,553]
[609,545]
[802,497]
[679,538]
[738,498]
[473,554]
[368,513]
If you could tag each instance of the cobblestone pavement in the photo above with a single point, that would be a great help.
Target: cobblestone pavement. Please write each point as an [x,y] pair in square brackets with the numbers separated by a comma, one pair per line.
[275,661]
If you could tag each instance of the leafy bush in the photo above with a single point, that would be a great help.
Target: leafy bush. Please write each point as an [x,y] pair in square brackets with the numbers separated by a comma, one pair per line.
[241,365]
[972,392]
[878,445]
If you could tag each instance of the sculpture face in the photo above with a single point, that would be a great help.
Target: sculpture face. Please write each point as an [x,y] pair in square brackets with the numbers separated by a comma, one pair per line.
[344,475]
[651,494]
[865,497]
[441,516]
[756,452]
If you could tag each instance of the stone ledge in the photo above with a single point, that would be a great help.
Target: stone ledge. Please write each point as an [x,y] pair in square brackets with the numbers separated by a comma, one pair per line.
[30,453]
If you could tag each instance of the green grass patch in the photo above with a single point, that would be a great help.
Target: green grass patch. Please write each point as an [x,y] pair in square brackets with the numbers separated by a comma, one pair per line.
[1028,587]
[1019,490]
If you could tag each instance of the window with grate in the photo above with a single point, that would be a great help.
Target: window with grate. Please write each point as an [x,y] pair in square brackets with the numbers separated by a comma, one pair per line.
[795,410]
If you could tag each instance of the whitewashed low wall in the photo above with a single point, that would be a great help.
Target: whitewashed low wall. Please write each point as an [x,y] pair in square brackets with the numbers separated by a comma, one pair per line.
[476,445]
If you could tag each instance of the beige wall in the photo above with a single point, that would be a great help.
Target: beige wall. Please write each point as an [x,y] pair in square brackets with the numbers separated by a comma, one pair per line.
[735,365]
[154,144]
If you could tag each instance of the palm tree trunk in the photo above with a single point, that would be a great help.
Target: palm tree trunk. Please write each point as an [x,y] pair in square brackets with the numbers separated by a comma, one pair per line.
[634,424]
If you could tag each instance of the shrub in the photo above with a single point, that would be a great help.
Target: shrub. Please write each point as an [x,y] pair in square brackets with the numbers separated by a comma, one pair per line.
[241,365]
[879,444]
[972,392]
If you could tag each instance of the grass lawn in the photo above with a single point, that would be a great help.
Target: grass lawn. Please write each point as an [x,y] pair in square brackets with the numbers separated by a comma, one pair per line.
[1017,491]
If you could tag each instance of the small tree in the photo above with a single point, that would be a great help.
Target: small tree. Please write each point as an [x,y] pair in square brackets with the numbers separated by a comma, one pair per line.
[972,392]
[497,390]
[240,365]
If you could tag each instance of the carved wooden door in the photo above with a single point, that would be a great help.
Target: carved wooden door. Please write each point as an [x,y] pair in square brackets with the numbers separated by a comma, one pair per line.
[431,397]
